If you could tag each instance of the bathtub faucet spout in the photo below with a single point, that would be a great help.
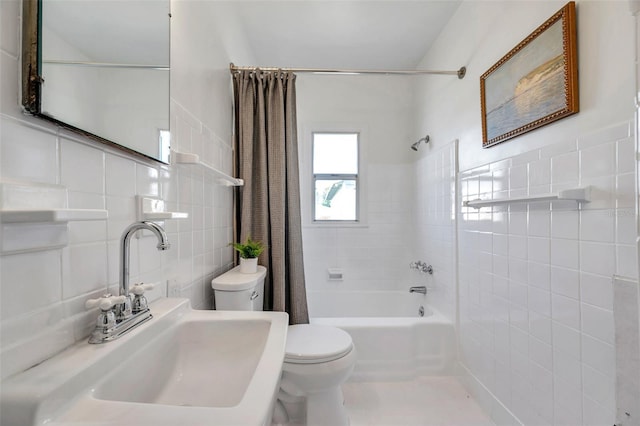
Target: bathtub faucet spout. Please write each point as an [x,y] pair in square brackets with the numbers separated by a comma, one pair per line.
[418,289]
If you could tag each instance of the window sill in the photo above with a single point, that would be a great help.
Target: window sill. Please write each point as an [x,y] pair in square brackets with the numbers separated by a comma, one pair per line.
[335,225]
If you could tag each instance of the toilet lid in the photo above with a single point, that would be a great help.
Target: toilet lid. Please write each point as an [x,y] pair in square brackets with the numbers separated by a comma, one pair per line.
[316,343]
[234,280]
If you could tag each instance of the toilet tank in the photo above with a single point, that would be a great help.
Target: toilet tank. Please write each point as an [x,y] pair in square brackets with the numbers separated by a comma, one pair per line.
[236,291]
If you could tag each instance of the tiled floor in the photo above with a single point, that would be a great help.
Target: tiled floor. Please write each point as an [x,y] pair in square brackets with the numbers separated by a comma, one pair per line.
[427,401]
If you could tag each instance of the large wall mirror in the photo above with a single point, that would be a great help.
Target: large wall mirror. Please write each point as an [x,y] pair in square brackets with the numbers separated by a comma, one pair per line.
[100,68]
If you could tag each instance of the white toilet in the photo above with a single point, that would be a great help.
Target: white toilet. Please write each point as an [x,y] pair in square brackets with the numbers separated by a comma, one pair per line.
[318,359]
[237,291]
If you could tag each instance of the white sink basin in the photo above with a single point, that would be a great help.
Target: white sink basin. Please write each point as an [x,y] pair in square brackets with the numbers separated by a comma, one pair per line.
[184,367]
[198,363]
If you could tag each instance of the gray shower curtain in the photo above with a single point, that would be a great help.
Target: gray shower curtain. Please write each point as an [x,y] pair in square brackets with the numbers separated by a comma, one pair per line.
[268,205]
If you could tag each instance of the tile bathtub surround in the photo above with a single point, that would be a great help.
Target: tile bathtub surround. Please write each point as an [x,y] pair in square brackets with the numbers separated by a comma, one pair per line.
[536,298]
[434,218]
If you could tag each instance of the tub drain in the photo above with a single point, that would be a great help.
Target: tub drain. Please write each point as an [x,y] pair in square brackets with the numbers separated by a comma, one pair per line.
[421,311]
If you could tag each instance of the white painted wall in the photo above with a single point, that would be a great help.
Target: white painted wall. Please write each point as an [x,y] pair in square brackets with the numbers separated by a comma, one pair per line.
[481,32]
[535,291]
[43,293]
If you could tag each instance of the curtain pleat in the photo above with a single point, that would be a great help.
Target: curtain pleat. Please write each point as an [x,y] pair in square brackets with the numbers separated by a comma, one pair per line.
[268,208]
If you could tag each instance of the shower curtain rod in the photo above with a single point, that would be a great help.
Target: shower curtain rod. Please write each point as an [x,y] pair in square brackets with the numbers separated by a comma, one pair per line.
[460,73]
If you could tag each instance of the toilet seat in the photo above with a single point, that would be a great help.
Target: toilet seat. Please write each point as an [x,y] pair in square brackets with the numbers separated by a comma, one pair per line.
[314,344]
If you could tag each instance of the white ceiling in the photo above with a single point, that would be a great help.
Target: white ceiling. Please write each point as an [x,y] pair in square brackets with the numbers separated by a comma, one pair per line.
[362,34]
[352,34]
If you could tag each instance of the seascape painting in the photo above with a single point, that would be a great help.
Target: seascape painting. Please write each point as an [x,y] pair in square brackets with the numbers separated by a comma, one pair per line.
[534,84]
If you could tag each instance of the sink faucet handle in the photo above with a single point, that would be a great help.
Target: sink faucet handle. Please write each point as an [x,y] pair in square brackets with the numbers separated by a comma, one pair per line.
[140,288]
[139,301]
[105,302]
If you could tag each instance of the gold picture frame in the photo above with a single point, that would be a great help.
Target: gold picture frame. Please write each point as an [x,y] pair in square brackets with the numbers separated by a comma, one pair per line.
[535,84]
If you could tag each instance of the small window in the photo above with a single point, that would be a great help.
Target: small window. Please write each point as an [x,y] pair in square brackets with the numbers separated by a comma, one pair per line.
[335,177]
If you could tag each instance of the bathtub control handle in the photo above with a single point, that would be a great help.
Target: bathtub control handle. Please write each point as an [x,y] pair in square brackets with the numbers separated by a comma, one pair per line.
[422,267]
[418,289]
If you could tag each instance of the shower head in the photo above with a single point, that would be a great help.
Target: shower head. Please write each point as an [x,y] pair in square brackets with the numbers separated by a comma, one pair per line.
[414,146]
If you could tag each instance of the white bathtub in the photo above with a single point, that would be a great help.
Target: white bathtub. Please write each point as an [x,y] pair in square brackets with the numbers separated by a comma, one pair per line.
[392,341]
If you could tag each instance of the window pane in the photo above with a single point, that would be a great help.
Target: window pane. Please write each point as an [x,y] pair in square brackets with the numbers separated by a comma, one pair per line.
[335,153]
[335,199]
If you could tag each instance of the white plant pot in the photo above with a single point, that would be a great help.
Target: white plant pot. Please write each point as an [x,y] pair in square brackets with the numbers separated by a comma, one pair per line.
[249,266]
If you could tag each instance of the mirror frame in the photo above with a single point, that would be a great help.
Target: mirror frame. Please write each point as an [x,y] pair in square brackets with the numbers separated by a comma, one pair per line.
[32,78]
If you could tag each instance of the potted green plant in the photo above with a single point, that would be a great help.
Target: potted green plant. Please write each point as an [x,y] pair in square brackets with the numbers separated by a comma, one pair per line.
[249,252]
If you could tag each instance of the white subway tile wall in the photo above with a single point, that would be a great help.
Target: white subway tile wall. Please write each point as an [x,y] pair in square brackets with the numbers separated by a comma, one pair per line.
[435,206]
[43,292]
[541,337]
[374,257]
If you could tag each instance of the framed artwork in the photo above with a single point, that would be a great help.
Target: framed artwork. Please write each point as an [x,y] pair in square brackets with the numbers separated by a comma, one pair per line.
[536,83]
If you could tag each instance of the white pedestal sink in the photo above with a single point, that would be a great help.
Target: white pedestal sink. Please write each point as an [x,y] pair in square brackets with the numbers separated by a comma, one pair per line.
[184,367]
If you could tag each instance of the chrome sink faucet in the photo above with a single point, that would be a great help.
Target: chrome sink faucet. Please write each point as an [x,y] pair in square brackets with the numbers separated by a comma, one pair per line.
[123,310]
[118,316]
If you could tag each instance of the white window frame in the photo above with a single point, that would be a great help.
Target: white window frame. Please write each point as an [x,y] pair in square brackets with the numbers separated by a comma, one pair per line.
[308,181]
[335,176]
